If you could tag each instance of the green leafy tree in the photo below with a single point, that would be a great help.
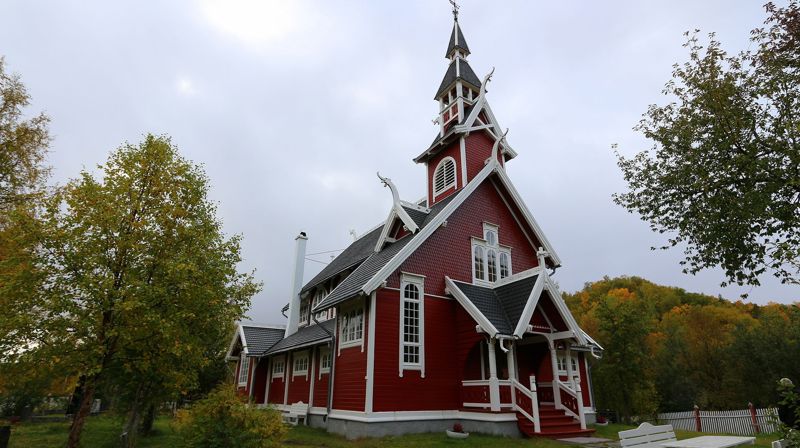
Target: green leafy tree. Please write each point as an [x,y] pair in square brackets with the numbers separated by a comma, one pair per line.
[23,148]
[625,323]
[137,279]
[723,176]
[23,144]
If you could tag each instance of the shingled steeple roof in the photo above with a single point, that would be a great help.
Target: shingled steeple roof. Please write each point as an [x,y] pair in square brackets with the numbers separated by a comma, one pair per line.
[457,41]
[459,69]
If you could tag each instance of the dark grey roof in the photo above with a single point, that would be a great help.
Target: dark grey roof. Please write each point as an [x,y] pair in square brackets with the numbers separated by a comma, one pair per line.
[462,43]
[503,305]
[352,285]
[355,253]
[464,73]
[305,336]
[417,216]
[261,339]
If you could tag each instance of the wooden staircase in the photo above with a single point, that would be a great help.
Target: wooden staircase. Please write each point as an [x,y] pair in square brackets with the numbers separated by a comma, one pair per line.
[555,423]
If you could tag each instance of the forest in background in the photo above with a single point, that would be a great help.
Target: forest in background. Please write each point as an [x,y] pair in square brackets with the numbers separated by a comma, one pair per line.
[667,349]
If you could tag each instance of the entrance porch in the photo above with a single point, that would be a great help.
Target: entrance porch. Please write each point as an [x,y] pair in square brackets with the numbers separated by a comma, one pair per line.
[540,378]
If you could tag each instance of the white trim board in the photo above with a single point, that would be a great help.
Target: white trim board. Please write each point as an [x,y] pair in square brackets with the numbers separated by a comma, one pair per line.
[407,416]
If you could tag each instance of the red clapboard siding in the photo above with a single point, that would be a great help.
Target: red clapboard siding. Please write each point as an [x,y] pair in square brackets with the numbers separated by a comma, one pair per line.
[276,386]
[439,389]
[298,387]
[320,383]
[349,383]
[449,250]
[260,382]
[587,398]
[478,149]
[530,358]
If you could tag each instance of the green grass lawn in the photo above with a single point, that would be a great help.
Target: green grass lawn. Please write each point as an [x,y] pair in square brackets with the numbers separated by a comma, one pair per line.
[100,432]
[103,432]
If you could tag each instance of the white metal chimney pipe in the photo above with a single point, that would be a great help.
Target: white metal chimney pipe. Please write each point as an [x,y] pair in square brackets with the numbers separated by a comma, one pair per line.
[297,283]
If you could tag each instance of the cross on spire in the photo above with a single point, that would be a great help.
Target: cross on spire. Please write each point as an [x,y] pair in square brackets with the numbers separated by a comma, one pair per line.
[455,9]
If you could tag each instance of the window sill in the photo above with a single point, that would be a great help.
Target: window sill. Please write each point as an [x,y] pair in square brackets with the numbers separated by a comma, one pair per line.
[350,344]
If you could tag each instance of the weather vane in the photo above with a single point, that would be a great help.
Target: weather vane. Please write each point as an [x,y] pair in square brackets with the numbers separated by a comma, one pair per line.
[455,9]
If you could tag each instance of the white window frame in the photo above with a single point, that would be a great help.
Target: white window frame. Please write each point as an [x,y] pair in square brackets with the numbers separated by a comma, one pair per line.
[418,281]
[446,186]
[319,295]
[300,357]
[323,352]
[344,315]
[244,368]
[278,362]
[305,312]
[561,356]
[498,249]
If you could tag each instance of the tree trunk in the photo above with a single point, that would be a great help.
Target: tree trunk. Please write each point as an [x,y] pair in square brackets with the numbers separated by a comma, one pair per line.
[79,419]
[149,419]
[131,428]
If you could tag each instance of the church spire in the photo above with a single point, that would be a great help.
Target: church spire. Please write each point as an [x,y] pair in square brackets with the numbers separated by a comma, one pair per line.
[460,85]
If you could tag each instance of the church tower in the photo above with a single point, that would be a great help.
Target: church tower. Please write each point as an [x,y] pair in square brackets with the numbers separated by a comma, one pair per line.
[468,130]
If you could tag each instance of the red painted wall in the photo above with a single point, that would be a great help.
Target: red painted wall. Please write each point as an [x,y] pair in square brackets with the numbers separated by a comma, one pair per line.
[260,382]
[439,389]
[449,250]
[298,386]
[276,385]
[587,399]
[349,384]
[320,384]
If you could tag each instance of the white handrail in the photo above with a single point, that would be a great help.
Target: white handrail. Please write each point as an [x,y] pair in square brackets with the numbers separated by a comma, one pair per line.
[531,394]
[578,397]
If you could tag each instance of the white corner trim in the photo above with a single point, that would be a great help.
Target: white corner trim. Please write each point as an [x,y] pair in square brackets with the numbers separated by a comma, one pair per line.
[518,276]
[473,311]
[370,354]
[238,334]
[463,147]
[530,306]
[558,301]
[418,281]
[385,232]
[428,230]
[526,213]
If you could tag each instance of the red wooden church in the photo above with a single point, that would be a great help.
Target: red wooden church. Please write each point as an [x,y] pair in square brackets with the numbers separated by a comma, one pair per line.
[445,312]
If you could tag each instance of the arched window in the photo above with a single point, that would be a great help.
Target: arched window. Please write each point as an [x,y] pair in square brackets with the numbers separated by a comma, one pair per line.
[478,263]
[444,176]
[504,265]
[412,323]
[491,263]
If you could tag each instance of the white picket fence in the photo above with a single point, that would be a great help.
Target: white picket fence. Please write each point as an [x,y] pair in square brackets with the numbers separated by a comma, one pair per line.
[729,422]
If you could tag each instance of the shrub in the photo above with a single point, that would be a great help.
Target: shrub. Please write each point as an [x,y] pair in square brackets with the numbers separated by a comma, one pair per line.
[223,419]
[458,428]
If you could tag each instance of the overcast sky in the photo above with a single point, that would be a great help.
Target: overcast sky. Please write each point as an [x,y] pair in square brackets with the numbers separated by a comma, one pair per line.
[292,106]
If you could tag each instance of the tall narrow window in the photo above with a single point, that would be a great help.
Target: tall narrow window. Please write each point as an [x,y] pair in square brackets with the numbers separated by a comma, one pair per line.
[491,265]
[244,366]
[444,176]
[505,266]
[478,263]
[412,323]
[303,318]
